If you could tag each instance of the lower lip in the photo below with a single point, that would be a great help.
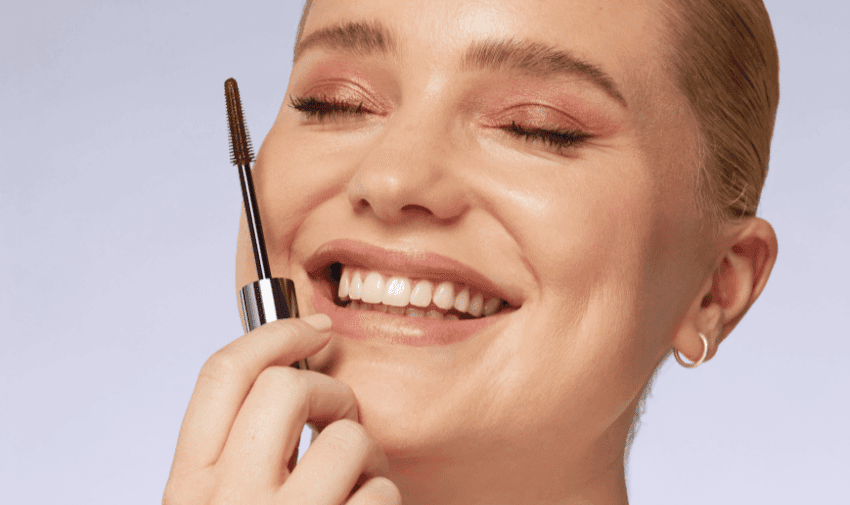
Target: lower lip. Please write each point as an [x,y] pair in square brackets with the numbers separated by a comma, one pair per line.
[398,329]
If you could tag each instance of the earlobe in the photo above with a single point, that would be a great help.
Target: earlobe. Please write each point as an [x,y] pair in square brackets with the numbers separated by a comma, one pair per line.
[743,267]
[699,361]
[703,320]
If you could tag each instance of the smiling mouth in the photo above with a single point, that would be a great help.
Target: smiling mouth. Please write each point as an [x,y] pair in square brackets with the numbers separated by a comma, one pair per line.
[357,288]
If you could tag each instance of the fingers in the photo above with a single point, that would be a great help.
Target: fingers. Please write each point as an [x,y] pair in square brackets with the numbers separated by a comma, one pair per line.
[227,376]
[245,418]
[376,491]
[341,453]
[268,427]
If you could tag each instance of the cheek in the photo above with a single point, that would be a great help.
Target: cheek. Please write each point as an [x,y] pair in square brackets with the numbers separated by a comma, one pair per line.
[600,249]
[591,229]
[246,270]
[290,183]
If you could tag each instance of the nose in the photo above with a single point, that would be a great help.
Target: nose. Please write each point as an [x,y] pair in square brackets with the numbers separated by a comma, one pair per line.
[408,173]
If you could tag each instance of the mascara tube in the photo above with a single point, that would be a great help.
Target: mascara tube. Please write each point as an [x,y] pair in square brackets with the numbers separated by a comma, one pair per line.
[268,298]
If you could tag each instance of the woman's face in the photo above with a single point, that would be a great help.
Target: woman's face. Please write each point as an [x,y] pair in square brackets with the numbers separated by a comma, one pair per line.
[535,152]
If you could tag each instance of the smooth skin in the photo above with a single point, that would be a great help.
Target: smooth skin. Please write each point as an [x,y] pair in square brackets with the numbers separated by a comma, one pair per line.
[602,241]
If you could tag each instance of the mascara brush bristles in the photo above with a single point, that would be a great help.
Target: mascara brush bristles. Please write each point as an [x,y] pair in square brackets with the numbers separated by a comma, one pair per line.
[241,156]
[241,151]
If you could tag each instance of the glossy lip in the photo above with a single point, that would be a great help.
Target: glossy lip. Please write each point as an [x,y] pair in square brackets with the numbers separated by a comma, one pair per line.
[398,329]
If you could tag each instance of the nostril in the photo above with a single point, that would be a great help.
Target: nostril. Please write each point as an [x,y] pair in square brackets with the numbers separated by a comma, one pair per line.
[362,204]
[416,209]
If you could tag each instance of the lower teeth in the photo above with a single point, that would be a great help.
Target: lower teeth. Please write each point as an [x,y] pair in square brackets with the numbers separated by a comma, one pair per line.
[406,311]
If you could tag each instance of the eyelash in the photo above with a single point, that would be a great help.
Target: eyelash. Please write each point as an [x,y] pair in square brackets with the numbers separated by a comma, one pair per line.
[558,140]
[323,108]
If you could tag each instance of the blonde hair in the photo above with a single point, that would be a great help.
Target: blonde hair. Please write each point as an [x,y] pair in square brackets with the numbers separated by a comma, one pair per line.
[307,6]
[723,58]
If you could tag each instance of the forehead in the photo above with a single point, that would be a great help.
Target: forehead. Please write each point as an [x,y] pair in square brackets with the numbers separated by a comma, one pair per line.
[620,38]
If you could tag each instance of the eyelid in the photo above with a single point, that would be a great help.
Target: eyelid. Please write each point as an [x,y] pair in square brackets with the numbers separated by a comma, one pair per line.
[551,129]
[350,90]
[534,115]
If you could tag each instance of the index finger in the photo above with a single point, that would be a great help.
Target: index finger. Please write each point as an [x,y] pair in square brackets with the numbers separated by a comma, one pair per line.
[227,376]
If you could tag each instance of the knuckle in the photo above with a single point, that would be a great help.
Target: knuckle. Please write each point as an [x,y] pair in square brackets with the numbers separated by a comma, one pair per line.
[186,487]
[178,492]
[222,367]
[281,377]
[349,392]
[171,496]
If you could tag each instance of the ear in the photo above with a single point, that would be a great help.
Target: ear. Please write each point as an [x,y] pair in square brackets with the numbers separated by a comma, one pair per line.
[747,254]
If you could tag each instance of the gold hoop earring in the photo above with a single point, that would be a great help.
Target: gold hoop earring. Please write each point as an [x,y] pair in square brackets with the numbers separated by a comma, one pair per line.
[701,358]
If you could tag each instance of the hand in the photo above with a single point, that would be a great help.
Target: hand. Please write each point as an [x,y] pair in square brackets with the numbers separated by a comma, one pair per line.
[245,420]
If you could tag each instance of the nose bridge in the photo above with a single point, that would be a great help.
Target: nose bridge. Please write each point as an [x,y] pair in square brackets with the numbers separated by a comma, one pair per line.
[407,171]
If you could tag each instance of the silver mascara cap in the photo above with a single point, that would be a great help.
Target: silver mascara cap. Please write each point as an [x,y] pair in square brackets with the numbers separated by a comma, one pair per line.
[267,300]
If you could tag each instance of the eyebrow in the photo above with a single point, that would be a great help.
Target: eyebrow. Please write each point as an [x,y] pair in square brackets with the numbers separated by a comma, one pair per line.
[359,38]
[525,57]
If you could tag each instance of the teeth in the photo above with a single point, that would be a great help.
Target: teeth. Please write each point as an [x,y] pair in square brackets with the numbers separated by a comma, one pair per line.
[462,300]
[421,295]
[369,290]
[356,286]
[492,306]
[344,282]
[476,305]
[397,293]
[444,295]
[373,288]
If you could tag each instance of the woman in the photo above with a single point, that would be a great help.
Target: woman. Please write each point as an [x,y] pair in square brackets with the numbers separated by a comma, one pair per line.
[565,191]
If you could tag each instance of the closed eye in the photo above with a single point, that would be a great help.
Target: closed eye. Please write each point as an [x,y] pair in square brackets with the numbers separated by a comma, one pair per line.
[323,108]
[557,140]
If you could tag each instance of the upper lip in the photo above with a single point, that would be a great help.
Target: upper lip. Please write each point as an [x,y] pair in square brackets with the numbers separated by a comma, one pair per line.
[407,263]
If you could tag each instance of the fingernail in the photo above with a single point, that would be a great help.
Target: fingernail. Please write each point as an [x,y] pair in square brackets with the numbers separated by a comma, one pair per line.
[320,322]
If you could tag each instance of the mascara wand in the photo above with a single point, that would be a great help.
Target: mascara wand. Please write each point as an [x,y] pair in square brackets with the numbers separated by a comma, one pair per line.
[241,155]
[269,298]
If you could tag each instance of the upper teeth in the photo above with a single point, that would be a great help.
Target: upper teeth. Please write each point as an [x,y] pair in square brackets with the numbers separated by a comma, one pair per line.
[371,287]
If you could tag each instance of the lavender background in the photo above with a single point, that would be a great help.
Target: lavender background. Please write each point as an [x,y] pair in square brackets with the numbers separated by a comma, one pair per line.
[118,214]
